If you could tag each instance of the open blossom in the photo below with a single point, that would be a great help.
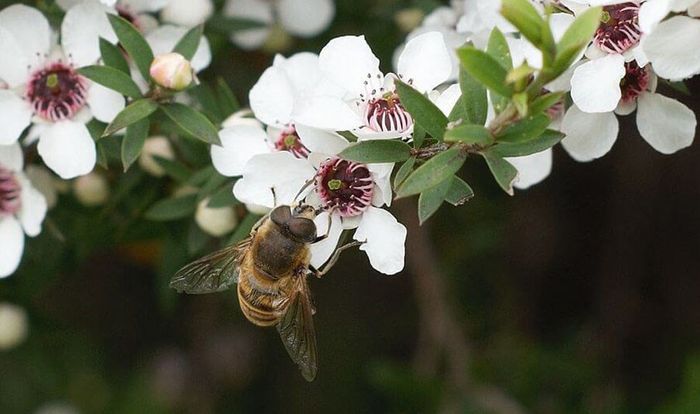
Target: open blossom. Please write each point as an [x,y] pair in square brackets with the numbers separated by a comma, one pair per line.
[137,12]
[22,208]
[45,89]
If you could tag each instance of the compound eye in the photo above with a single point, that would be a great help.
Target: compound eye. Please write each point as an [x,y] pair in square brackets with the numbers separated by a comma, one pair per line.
[280,215]
[302,228]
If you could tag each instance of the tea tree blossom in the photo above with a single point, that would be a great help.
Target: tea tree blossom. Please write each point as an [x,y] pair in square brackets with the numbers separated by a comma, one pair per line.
[137,12]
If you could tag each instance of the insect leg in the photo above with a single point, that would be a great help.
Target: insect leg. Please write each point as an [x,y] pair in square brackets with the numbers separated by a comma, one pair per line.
[304,187]
[334,258]
[328,229]
[274,197]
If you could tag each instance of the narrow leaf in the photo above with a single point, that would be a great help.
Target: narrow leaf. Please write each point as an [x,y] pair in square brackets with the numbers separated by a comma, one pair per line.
[485,69]
[227,99]
[522,15]
[244,228]
[133,42]
[136,111]
[172,208]
[403,172]
[112,78]
[433,172]
[548,139]
[223,197]
[576,38]
[431,199]
[424,112]
[525,129]
[503,171]
[459,192]
[473,98]
[498,49]
[192,122]
[174,169]
[112,56]
[377,151]
[132,144]
[188,44]
[469,134]
[544,102]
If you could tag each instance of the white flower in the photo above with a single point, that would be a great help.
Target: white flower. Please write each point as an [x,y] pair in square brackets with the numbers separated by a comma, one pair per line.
[187,13]
[359,97]
[46,90]
[13,326]
[304,18]
[156,146]
[672,48]
[215,221]
[22,208]
[91,189]
[138,12]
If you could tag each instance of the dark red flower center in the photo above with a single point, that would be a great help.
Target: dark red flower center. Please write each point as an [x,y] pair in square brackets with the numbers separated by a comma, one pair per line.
[344,186]
[10,190]
[619,28]
[635,82]
[57,92]
[387,114]
[289,140]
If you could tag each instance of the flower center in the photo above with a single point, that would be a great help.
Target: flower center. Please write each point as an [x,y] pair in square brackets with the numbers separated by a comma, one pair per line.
[387,114]
[288,140]
[635,81]
[57,92]
[10,189]
[345,186]
[619,28]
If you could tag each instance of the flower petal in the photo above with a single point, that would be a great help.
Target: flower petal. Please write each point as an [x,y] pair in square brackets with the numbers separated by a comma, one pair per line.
[668,48]
[588,136]
[15,63]
[322,251]
[68,149]
[29,28]
[272,97]
[15,116]
[257,10]
[187,13]
[318,140]
[595,85]
[163,40]
[239,144]
[532,169]
[301,69]
[425,62]
[666,124]
[11,157]
[81,30]
[12,242]
[104,103]
[305,18]
[384,240]
[33,209]
[349,62]
[327,112]
[140,6]
[448,98]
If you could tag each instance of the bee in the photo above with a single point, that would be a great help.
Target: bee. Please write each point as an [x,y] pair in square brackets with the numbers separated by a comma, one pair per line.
[271,267]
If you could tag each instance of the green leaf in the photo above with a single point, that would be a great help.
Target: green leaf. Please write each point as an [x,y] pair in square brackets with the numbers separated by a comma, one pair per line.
[188,44]
[424,112]
[244,228]
[196,239]
[469,134]
[431,199]
[459,192]
[433,172]
[113,57]
[403,172]
[525,129]
[548,139]
[504,173]
[112,78]
[377,151]
[485,69]
[525,18]
[498,49]
[576,38]
[192,122]
[473,98]
[229,25]
[223,197]
[136,111]
[133,42]
[173,208]
[227,99]
[132,144]
[544,102]
[204,94]
[418,136]
[174,169]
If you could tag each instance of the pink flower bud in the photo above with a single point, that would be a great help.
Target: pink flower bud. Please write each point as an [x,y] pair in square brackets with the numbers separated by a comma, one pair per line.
[172,71]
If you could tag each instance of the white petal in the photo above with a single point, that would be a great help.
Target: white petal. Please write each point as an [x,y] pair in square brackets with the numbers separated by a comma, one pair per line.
[532,169]
[140,6]
[588,136]
[672,48]
[381,175]
[239,144]
[595,86]
[42,179]
[257,10]
[81,29]
[305,18]
[68,149]
[187,13]
[12,242]
[15,63]
[318,140]
[104,103]
[29,28]
[384,239]
[66,4]
[666,124]
[348,61]
[559,23]
[425,61]
[163,40]
[33,209]
[11,157]
[652,12]
[448,98]
[15,116]
[322,251]
[302,70]
[279,170]
[272,97]
[327,112]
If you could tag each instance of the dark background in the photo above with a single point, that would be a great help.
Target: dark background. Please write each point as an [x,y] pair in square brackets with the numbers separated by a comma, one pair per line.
[580,295]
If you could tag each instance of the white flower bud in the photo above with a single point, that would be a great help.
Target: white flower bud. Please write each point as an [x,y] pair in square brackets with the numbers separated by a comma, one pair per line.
[215,221]
[91,190]
[409,19]
[172,71]
[13,326]
[155,146]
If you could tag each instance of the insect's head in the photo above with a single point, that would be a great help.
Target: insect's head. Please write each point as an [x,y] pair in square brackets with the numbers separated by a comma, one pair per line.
[304,210]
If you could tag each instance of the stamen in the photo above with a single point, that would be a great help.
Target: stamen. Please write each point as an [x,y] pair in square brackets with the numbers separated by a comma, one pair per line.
[56,92]
[10,190]
[289,140]
[344,186]
[387,114]
[635,82]
[619,29]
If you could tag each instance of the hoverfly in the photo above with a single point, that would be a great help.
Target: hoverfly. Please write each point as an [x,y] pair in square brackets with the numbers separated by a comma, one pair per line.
[270,267]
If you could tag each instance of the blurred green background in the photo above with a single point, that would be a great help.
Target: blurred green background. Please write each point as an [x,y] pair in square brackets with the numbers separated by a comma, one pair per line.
[581,295]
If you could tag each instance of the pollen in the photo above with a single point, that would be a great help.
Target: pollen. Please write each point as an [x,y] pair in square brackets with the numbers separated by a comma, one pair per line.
[345,186]
[619,28]
[57,92]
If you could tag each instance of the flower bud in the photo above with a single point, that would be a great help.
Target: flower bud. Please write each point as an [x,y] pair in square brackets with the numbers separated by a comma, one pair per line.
[409,19]
[13,326]
[91,190]
[157,146]
[215,221]
[172,71]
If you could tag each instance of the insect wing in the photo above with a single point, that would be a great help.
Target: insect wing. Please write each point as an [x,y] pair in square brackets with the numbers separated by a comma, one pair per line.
[297,332]
[213,273]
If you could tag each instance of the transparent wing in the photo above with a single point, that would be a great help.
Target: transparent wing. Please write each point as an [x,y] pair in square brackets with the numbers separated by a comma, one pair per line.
[297,331]
[213,273]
